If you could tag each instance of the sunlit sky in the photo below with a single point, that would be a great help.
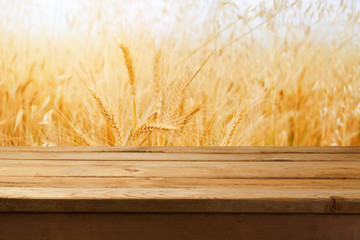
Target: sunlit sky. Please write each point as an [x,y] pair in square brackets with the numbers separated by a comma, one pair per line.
[55,16]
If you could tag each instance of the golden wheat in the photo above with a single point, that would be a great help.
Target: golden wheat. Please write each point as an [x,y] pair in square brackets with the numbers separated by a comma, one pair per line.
[239,117]
[110,119]
[131,74]
[297,66]
[148,128]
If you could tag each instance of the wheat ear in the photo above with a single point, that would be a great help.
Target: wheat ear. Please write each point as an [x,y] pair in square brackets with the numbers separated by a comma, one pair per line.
[84,141]
[110,119]
[236,123]
[208,128]
[152,128]
[189,115]
[131,72]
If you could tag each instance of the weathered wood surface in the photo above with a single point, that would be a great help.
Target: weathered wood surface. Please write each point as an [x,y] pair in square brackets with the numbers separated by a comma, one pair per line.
[181,180]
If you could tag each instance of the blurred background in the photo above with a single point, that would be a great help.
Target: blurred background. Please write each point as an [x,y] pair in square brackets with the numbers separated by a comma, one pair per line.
[221,72]
[57,17]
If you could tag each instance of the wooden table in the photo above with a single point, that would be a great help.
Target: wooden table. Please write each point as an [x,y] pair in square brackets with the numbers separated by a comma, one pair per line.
[180,193]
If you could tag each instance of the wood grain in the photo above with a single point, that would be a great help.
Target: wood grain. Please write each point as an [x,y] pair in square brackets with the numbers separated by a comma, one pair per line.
[18,168]
[160,182]
[228,200]
[174,193]
[179,226]
[183,179]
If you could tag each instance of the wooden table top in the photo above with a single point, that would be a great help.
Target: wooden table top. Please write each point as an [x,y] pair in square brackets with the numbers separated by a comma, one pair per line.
[180,179]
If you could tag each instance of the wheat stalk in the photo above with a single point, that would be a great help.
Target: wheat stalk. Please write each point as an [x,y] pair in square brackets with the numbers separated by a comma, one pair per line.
[132,77]
[158,94]
[19,118]
[84,141]
[238,119]
[177,99]
[156,74]
[109,117]
[190,115]
[148,127]
[130,67]
[208,128]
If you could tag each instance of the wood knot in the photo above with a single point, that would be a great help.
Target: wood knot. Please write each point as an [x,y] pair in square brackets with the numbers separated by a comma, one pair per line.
[335,204]
[131,170]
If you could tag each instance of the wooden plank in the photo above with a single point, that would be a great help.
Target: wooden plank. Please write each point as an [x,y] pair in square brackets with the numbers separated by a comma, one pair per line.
[195,199]
[134,156]
[179,226]
[213,150]
[18,168]
[173,193]
[157,182]
[243,180]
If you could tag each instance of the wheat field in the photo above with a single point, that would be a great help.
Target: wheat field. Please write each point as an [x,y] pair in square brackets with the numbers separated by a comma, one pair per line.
[285,73]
